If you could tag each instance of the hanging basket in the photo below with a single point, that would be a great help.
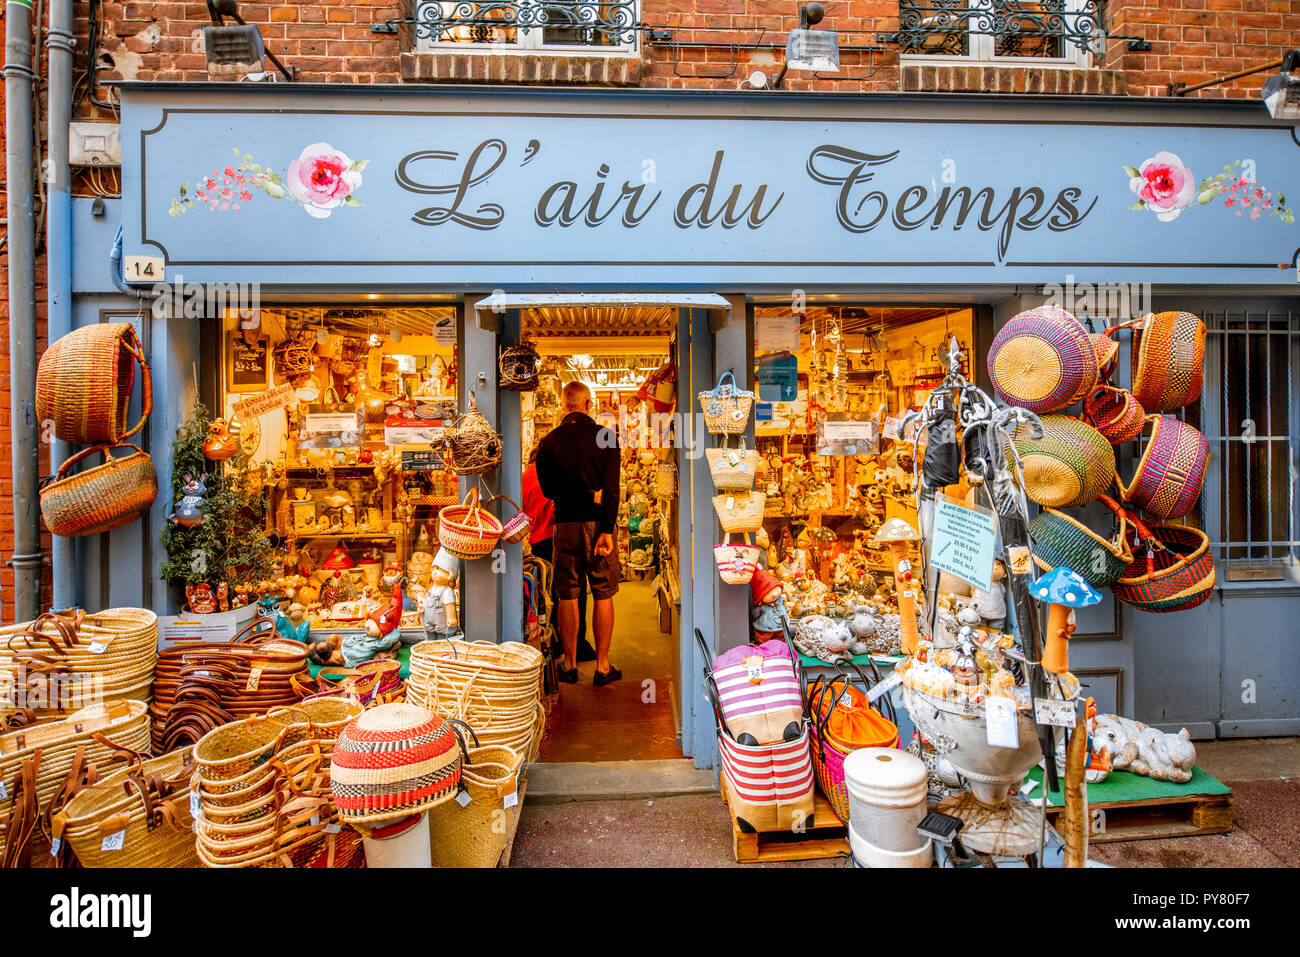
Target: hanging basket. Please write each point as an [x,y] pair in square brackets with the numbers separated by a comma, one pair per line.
[468,530]
[733,470]
[726,407]
[1168,361]
[100,499]
[473,446]
[518,367]
[1060,540]
[1043,360]
[740,511]
[659,390]
[736,563]
[516,528]
[1170,473]
[84,380]
[1107,350]
[1070,465]
[1173,569]
[1115,413]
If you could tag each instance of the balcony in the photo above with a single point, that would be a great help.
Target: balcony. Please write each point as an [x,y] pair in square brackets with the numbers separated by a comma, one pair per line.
[992,29]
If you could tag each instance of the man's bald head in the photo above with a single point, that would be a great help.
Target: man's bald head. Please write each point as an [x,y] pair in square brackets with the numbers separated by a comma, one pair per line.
[576,397]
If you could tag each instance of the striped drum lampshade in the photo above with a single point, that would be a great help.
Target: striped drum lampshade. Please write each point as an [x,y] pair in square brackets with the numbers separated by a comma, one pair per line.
[393,761]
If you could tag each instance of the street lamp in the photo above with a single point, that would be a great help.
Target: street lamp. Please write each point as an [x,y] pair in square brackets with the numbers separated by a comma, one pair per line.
[807,49]
[232,50]
[1281,93]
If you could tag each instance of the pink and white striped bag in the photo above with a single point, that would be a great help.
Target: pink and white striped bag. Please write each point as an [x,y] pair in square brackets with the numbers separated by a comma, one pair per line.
[758,692]
[770,787]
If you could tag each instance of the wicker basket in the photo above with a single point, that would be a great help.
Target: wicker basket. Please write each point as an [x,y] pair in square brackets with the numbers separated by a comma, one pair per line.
[518,367]
[1168,362]
[1173,569]
[1071,464]
[736,563]
[740,511]
[1170,473]
[1061,540]
[468,530]
[100,499]
[84,380]
[473,446]
[470,835]
[1043,360]
[516,528]
[733,470]
[1107,355]
[1115,413]
[726,407]
[150,803]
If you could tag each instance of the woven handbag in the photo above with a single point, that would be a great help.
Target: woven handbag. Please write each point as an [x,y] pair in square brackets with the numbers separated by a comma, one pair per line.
[736,563]
[1170,473]
[733,470]
[1173,569]
[1043,360]
[1115,413]
[1168,363]
[726,407]
[1061,540]
[1070,465]
[102,498]
[740,511]
[843,721]
[84,380]
[468,530]
[769,787]
[514,529]
[470,834]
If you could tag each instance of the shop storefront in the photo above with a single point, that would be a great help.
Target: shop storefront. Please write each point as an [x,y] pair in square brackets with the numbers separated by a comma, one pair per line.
[824,250]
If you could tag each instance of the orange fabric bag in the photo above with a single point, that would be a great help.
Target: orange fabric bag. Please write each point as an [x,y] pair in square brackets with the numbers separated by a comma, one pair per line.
[853,722]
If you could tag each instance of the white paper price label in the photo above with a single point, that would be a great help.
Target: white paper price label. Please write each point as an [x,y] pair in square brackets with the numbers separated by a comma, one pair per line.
[4,791]
[1001,725]
[1028,785]
[510,800]
[196,805]
[114,842]
[97,647]
[1051,711]
[463,798]
[315,819]
[846,700]
[754,668]
[333,828]
[55,846]
[883,688]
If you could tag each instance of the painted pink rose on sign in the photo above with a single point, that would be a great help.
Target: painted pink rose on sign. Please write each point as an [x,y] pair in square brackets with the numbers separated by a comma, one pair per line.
[1163,185]
[322,178]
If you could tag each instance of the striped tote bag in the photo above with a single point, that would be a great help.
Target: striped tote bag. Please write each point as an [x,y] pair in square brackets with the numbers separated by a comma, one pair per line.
[770,787]
[759,693]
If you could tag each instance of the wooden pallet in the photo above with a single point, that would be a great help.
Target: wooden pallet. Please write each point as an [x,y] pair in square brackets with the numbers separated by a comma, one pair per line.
[1148,820]
[827,838]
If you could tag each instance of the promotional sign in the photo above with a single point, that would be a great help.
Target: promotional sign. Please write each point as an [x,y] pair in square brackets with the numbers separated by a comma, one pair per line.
[776,334]
[581,188]
[778,378]
[964,540]
[841,435]
[264,402]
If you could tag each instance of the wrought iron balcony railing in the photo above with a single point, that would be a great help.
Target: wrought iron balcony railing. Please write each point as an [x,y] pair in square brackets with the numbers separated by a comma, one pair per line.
[1024,28]
[563,22]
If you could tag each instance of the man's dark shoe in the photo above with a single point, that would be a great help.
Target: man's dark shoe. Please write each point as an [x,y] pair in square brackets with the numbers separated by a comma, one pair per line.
[585,651]
[605,677]
[569,677]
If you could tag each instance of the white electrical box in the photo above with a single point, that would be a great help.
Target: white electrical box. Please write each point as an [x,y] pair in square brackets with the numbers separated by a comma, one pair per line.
[95,144]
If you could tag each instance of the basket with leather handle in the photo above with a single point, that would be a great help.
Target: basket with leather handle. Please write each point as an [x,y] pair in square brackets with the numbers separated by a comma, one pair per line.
[1115,413]
[1168,362]
[1061,540]
[733,470]
[468,834]
[102,498]
[1169,475]
[84,380]
[1172,568]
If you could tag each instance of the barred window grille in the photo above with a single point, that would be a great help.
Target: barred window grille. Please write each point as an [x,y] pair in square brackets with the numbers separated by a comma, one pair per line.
[992,29]
[527,24]
[1250,413]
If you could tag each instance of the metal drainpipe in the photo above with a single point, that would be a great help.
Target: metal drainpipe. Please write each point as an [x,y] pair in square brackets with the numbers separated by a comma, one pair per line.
[20,178]
[58,240]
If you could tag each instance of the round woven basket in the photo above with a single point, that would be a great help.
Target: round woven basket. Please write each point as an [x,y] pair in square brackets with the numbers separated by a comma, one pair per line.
[1043,360]
[84,381]
[1175,572]
[394,760]
[1115,413]
[1168,363]
[468,530]
[1071,464]
[1061,540]
[1170,473]
[102,498]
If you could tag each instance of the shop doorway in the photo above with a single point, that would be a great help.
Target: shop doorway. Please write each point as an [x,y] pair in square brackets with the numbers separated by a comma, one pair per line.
[626,358]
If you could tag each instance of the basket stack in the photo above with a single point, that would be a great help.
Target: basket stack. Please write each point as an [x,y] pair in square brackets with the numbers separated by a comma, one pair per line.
[59,663]
[262,787]
[99,731]
[495,689]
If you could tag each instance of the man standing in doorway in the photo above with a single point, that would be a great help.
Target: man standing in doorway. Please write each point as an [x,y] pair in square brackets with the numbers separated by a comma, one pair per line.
[578,469]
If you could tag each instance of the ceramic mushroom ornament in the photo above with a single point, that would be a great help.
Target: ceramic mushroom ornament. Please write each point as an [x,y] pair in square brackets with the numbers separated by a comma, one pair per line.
[1064,590]
[897,535]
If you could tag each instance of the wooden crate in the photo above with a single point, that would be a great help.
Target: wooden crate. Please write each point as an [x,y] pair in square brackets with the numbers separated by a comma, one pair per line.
[1148,820]
[828,838]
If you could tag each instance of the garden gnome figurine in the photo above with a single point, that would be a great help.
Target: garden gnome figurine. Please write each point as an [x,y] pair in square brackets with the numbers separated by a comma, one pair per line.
[1064,590]
[769,612]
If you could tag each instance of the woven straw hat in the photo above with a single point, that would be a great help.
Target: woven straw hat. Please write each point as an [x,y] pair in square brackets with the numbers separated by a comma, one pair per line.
[394,760]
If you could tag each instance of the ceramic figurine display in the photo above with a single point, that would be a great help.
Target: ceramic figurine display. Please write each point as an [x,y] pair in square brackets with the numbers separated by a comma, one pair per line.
[293,625]
[441,617]
[189,510]
[1142,750]
[382,633]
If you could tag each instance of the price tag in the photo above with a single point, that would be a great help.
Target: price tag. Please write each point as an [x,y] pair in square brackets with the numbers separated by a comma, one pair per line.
[254,678]
[463,798]
[144,268]
[55,846]
[196,805]
[1052,711]
[333,828]
[510,799]
[754,666]
[114,841]
[731,502]
[884,687]
[315,819]
[97,647]
[4,791]
[1028,785]
[1018,556]
[846,700]
[1001,724]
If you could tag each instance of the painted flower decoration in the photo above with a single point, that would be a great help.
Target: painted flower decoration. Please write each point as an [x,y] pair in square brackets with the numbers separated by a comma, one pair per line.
[1163,185]
[323,178]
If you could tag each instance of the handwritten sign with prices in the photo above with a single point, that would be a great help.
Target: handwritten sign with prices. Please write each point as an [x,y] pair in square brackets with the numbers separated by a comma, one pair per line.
[964,540]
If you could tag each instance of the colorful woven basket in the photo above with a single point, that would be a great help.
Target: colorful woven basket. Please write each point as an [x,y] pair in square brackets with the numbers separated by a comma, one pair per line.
[1168,361]
[394,760]
[1043,360]
[514,529]
[84,380]
[733,470]
[1115,413]
[736,563]
[726,407]
[1061,540]
[1071,464]
[1173,570]
[1170,473]
[100,499]
[1107,355]
[468,530]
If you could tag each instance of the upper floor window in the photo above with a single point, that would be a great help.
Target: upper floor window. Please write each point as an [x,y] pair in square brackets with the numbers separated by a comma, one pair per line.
[561,26]
[1064,31]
